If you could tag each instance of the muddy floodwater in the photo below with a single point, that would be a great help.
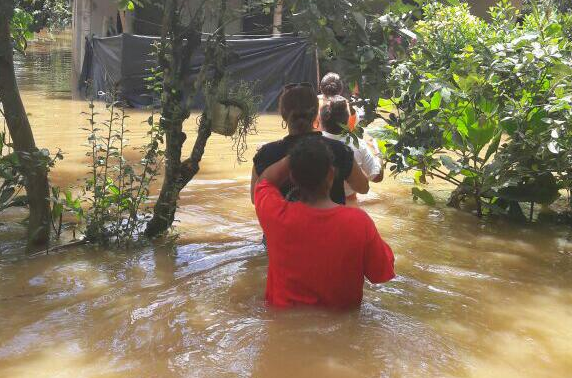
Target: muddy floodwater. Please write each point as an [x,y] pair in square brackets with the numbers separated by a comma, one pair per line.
[471,299]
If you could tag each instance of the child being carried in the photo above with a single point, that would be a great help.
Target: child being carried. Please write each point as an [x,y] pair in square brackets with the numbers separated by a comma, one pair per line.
[334,114]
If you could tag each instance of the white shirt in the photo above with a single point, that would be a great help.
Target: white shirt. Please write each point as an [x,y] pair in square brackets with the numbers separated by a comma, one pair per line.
[365,159]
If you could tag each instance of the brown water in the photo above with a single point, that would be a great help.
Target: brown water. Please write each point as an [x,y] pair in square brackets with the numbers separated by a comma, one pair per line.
[471,299]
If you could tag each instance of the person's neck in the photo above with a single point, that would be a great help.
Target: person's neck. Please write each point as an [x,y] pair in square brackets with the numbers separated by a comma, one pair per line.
[337,131]
[293,132]
[321,201]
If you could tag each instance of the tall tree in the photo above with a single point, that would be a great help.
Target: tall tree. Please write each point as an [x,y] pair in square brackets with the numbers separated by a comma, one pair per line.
[179,41]
[34,170]
[359,39]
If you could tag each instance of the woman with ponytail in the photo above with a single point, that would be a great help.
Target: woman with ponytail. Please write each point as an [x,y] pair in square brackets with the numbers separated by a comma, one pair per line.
[299,109]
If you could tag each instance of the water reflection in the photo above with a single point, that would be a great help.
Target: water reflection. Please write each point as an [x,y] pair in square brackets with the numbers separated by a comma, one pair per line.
[45,68]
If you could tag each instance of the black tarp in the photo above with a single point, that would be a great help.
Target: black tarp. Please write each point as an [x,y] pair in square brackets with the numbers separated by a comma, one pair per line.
[124,61]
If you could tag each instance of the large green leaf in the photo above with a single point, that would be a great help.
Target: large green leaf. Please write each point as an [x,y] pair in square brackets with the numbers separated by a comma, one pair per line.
[480,133]
[436,101]
[509,124]
[385,105]
[493,146]
[466,83]
[423,195]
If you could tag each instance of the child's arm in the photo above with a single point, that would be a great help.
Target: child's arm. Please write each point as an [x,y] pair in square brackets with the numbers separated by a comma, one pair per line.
[358,180]
[371,164]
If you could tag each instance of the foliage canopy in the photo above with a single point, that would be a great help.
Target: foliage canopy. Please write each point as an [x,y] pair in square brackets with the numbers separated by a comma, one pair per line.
[485,106]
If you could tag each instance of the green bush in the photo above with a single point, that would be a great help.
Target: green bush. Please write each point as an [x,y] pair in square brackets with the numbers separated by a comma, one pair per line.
[445,31]
[485,106]
[117,190]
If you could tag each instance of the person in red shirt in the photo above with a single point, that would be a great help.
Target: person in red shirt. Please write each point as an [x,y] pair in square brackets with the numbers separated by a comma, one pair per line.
[318,251]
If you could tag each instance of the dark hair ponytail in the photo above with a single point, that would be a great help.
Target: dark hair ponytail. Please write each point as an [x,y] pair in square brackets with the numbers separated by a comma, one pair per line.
[334,114]
[299,107]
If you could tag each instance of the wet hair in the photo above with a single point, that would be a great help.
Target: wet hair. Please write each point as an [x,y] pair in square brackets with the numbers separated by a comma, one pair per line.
[333,114]
[298,106]
[331,84]
[310,162]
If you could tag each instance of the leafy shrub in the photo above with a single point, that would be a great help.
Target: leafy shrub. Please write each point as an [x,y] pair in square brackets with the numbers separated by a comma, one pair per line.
[445,31]
[485,107]
[20,28]
[51,14]
[111,207]
[117,190]
[360,39]
[12,163]
[11,179]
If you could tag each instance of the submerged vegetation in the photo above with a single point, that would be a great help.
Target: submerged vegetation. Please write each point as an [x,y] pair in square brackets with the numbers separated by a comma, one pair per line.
[117,189]
[112,206]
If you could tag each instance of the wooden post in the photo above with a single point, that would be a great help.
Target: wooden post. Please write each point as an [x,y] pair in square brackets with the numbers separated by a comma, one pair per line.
[277,22]
[126,21]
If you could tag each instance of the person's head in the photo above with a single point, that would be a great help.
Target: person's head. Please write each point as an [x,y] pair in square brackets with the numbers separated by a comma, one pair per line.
[331,85]
[299,107]
[311,168]
[334,114]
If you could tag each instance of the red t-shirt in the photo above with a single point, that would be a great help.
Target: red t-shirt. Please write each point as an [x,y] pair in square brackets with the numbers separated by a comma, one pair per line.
[319,256]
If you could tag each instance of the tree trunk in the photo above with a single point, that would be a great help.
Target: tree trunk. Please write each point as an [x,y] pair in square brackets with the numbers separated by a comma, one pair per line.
[177,47]
[176,109]
[177,176]
[34,170]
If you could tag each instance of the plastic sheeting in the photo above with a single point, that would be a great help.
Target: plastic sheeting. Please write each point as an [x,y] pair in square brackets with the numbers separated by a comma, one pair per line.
[123,62]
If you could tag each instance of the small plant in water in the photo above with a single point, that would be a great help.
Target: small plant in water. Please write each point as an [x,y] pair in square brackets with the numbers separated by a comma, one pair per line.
[116,190]
[64,202]
[11,178]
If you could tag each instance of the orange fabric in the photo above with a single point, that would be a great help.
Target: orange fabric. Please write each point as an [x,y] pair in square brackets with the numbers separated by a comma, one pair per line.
[352,121]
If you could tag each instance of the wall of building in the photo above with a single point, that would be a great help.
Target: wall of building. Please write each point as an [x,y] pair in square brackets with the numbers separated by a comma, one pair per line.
[90,17]
[81,14]
[99,18]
